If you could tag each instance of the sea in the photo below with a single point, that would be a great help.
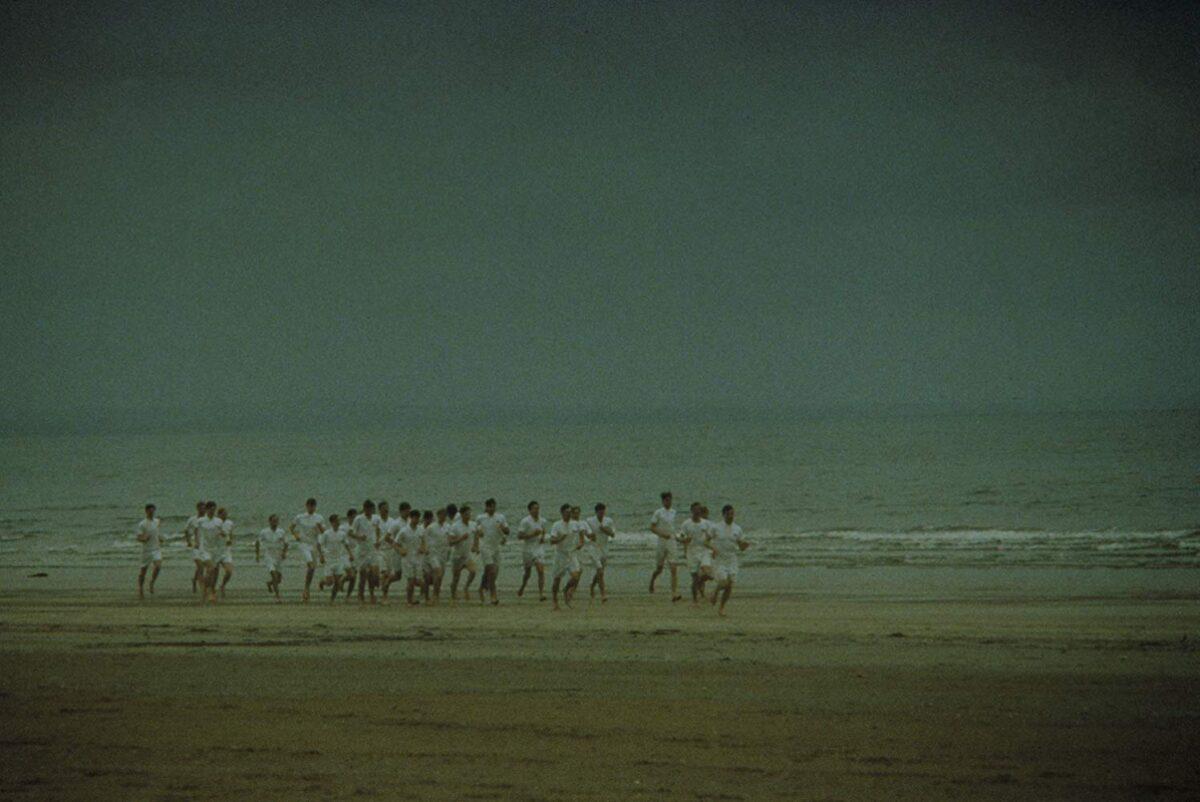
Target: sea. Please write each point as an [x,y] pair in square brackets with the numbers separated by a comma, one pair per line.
[1112,490]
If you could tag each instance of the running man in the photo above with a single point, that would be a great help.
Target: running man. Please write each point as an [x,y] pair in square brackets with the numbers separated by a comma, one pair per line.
[463,550]
[437,554]
[306,528]
[191,535]
[662,524]
[272,543]
[365,535]
[209,538]
[389,558]
[600,531]
[147,535]
[226,560]
[339,559]
[532,534]
[410,541]
[693,534]
[493,533]
[726,541]
[565,537]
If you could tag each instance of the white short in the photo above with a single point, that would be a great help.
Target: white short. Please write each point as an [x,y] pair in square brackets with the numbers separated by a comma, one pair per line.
[271,564]
[306,552]
[392,561]
[366,559]
[413,567]
[594,558]
[489,555]
[460,562]
[433,562]
[566,564]
[226,558]
[197,554]
[337,567]
[151,557]
[534,556]
[725,570]
[697,559]
[666,551]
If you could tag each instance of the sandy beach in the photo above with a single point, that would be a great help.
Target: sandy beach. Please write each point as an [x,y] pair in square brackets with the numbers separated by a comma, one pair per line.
[879,690]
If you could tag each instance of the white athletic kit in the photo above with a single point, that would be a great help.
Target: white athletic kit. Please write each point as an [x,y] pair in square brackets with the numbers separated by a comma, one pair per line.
[492,535]
[192,530]
[566,558]
[210,538]
[533,550]
[596,549]
[409,539]
[271,543]
[438,554]
[365,553]
[389,558]
[152,545]
[461,554]
[226,543]
[725,539]
[308,526]
[667,550]
[333,544]
[697,554]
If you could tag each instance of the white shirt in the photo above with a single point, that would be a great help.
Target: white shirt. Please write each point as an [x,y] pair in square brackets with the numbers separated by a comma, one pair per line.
[435,538]
[490,525]
[211,538]
[409,539]
[365,529]
[580,529]
[663,518]
[697,531]
[149,528]
[597,527]
[571,536]
[528,525]
[389,528]
[272,542]
[333,543]
[458,529]
[227,535]
[191,529]
[308,526]
[725,539]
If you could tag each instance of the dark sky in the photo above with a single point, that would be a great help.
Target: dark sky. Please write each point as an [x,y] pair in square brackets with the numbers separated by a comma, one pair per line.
[334,211]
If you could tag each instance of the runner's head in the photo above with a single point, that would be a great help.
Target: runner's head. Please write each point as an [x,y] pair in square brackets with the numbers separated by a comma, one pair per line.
[696,507]
[334,520]
[273,521]
[199,507]
[727,511]
[210,508]
[534,508]
[351,514]
[601,508]
[404,509]
[489,506]
[427,517]
[414,517]
[311,506]
[368,507]
[150,510]
[575,513]
[451,510]
[703,511]
[383,509]
[441,515]
[465,511]
[666,498]
[222,513]
[565,511]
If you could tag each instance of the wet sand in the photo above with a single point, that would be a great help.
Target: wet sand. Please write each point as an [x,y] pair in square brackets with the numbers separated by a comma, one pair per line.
[922,690]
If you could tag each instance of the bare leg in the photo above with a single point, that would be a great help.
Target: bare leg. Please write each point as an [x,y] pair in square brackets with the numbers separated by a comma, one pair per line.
[197,577]
[467,586]
[493,571]
[308,575]
[525,580]
[541,569]
[225,581]
[554,592]
[675,583]
[728,589]
[658,569]
[154,575]
[603,588]
[141,581]
[569,592]
[437,585]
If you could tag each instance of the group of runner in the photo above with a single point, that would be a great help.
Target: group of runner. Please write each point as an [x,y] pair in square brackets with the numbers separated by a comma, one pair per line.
[371,549]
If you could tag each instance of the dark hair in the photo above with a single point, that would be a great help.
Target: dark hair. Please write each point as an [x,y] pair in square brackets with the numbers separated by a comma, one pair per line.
[414,513]
[333,516]
[491,501]
[600,505]
[350,513]
[311,501]
[465,508]
[428,514]
[564,508]
[664,494]
[383,503]
[531,504]
[200,503]
[405,506]
[210,503]
[726,508]
[368,503]
[451,509]
[441,510]
[151,507]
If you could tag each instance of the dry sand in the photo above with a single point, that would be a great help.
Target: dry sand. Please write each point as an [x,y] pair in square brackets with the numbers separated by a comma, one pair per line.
[927,689]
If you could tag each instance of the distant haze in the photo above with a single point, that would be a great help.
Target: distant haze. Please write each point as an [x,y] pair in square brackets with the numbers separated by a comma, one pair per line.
[352,212]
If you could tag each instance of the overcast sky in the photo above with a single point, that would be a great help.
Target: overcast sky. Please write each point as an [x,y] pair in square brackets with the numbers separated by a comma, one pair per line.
[334,211]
